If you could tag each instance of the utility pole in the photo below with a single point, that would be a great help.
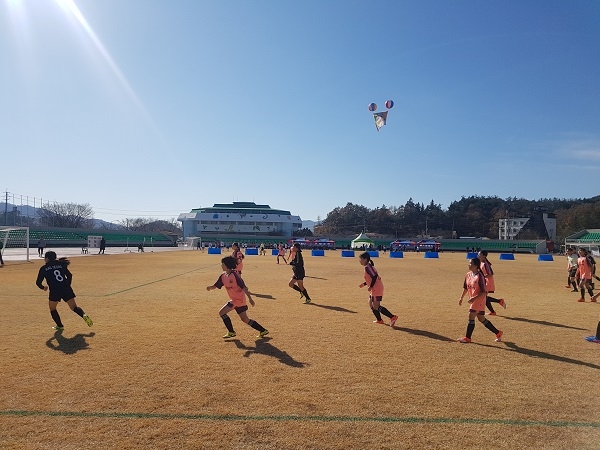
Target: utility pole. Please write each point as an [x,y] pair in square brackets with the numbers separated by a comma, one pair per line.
[5,207]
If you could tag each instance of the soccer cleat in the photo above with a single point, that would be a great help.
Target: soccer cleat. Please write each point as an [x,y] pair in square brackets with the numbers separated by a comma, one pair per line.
[307,300]
[581,300]
[378,321]
[464,340]
[502,303]
[57,328]
[88,320]
[499,336]
[593,299]
[393,320]
[262,334]
[231,334]
[492,313]
[574,290]
[567,286]
[593,339]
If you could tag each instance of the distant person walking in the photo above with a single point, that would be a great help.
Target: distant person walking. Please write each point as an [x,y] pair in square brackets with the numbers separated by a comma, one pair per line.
[238,255]
[375,288]
[1,251]
[58,277]
[102,245]
[571,269]
[237,292]
[281,253]
[41,245]
[474,285]
[297,263]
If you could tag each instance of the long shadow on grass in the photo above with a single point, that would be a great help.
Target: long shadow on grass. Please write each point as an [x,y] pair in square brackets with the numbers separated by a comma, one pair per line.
[512,347]
[427,334]
[70,345]
[267,296]
[544,322]
[264,347]
[332,308]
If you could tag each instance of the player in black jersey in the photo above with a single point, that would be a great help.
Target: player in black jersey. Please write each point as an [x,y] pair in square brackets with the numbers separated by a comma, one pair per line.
[59,279]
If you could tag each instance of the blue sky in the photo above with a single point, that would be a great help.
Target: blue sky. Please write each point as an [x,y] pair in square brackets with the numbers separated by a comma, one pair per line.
[155,107]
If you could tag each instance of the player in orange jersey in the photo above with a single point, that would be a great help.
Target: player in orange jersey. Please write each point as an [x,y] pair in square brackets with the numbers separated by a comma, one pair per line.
[373,281]
[474,285]
[238,256]
[237,292]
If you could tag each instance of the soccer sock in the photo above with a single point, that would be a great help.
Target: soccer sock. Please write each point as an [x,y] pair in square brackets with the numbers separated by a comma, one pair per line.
[574,285]
[591,292]
[376,314]
[489,305]
[56,318]
[78,311]
[383,310]
[256,326]
[490,326]
[227,322]
[598,331]
[582,290]
[296,288]
[305,292]
[492,299]
[470,328]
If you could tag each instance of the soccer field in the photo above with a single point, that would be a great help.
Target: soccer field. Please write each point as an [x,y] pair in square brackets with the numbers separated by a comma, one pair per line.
[154,371]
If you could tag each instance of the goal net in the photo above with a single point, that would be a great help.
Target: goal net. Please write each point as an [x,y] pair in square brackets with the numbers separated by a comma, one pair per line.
[14,243]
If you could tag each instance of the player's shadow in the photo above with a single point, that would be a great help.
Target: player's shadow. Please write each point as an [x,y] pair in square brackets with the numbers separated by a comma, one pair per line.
[544,322]
[70,345]
[267,296]
[512,347]
[264,347]
[333,308]
[427,334]
[315,278]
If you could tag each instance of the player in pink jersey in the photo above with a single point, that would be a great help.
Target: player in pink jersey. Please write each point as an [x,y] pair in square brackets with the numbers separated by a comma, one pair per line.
[490,285]
[373,281]
[237,292]
[281,253]
[474,285]
[238,256]
[584,274]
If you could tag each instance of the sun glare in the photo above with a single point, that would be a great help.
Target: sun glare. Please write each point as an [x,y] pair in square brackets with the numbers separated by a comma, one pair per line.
[71,8]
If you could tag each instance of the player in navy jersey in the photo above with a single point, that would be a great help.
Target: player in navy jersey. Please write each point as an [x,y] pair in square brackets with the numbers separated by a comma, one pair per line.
[58,277]
[297,263]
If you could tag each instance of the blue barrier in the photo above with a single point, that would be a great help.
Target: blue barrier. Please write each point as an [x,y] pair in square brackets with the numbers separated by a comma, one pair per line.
[373,253]
[251,251]
[214,250]
[274,252]
[317,253]
[471,255]
[507,256]
[347,253]
[431,255]
[396,254]
[545,258]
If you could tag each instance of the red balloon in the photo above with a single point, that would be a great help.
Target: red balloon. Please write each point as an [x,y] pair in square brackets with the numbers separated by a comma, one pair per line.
[372,107]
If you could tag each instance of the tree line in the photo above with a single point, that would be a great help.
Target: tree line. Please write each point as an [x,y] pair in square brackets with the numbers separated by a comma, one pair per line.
[475,216]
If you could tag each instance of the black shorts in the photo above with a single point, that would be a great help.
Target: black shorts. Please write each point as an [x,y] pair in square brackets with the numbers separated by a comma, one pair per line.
[64,294]
[298,273]
[573,272]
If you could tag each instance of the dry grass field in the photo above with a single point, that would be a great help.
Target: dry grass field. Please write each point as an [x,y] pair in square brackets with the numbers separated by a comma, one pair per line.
[154,371]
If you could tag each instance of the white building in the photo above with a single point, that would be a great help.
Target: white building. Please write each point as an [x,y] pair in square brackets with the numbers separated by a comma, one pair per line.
[541,224]
[239,220]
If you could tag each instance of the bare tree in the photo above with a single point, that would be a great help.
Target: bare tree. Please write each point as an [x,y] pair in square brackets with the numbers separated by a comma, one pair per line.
[66,215]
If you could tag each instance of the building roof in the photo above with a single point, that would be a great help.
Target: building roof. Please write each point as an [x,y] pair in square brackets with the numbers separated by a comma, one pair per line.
[242,207]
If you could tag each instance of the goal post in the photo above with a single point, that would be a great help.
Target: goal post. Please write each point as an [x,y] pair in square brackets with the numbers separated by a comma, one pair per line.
[14,242]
